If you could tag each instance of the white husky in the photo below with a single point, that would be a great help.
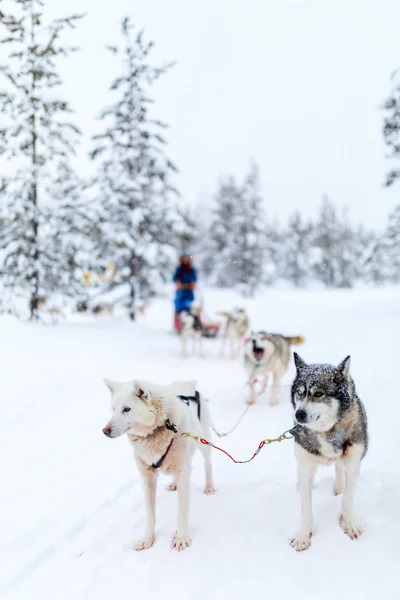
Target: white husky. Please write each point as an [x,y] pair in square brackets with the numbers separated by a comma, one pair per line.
[145,411]
[235,329]
[192,330]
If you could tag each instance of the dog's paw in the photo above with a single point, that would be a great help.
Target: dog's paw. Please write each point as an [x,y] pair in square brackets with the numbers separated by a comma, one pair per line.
[209,490]
[144,544]
[301,542]
[250,401]
[349,528]
[180,543]
[171,487]
[338,489]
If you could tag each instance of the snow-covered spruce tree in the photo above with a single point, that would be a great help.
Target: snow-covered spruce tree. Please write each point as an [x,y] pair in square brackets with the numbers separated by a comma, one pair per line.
[139,220]
[334,240]
[297,250]
[375,267]
[391,246]
[72,233]
[275,243]
[197,240]
[391,127]
[34,140]
[250,233]
[220,252]
[234,252]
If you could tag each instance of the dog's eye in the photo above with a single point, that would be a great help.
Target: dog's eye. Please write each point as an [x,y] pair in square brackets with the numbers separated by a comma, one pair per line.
[126,409]
[319,394]
[301,392]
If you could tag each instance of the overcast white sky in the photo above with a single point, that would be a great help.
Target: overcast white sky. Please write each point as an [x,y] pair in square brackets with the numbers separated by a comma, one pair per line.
[295,83]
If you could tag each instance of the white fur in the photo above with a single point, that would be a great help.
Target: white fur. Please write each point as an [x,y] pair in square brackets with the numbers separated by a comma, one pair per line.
[235,331]
[321,416]
[188,333]
[271,363]
[150,405]
[347,470]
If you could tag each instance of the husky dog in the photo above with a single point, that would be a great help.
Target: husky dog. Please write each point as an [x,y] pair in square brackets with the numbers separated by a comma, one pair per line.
[43,306]
[103,308]
[192,328]
[333,430]
[235,329]
[266,353]
[151,415]
[141,308]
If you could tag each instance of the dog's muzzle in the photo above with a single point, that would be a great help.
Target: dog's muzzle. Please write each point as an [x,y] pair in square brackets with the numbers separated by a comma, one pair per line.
[107,430]
[257,351]
[301,416]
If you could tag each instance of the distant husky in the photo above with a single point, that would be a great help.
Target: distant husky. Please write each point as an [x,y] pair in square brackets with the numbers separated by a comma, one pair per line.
[54,311]
[141,308]
[104,308]
[145,411]
[267,353]
[235,329]
[192,329]
[333,430]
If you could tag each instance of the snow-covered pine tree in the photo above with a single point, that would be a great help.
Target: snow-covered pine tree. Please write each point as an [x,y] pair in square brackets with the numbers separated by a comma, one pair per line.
[391,245]
[34,140]
[375,267]
[275,250]
[139,221]
[234,249]
[249,252]
[219,253]
[335,263]
[391,126]
[73,234]
[297,249]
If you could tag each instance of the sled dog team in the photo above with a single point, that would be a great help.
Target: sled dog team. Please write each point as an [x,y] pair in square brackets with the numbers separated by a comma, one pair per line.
[331,419]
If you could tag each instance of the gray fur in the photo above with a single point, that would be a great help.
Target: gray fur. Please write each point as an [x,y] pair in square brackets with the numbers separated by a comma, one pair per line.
[333,430]
[337,385]
[268,354]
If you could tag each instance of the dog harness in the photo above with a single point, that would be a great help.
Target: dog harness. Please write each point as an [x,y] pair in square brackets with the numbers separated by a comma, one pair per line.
[158,464]
[197,326]
[187,400]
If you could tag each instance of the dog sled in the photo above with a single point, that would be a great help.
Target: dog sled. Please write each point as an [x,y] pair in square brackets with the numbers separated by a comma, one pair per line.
[208,329]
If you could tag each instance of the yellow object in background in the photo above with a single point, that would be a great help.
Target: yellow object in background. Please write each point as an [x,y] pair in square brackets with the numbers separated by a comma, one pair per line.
[108,275]
[86,279]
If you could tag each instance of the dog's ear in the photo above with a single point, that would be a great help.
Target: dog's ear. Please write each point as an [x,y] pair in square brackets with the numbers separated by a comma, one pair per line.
[142,393]
[343,369]
[298,361]
[110,384]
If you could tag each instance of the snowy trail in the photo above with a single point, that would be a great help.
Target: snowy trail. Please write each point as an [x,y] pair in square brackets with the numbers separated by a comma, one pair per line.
[71,501]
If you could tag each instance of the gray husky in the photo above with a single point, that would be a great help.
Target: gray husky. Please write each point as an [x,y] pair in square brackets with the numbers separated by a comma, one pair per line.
[265,354]
[332,429]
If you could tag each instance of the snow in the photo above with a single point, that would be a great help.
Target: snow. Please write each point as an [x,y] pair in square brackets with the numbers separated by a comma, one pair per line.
[71,498]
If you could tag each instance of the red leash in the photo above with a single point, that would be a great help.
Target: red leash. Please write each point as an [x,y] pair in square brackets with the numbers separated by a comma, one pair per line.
[286,435]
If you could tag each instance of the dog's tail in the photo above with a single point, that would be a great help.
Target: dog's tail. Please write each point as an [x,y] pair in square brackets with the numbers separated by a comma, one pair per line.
[296,340]
[223,313]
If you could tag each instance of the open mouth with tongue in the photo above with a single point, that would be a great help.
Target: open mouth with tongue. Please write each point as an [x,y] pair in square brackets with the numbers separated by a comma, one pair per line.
[258,352]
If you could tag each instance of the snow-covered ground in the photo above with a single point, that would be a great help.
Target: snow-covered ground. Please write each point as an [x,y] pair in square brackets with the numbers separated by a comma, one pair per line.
[71,502]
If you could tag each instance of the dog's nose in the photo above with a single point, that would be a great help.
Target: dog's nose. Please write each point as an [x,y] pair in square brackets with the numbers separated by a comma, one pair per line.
[301,415]
[107,430]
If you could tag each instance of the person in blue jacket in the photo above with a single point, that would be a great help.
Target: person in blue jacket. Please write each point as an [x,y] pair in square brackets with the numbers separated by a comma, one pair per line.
[185,277]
